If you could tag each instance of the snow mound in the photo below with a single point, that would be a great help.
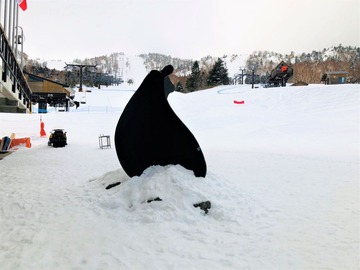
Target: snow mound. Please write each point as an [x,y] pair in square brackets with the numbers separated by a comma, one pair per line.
[178,189]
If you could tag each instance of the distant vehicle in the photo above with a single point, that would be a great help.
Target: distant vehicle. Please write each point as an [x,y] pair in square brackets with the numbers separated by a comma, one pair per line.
[57,138]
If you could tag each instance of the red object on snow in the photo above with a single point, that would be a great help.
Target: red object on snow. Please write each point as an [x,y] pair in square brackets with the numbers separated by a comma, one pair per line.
[42,130]
[239,101]
[18,141]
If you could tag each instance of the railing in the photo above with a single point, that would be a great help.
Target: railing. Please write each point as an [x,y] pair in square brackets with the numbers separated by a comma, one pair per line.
[11,69]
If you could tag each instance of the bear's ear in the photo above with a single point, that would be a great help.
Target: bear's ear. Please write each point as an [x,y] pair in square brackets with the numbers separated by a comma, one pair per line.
[167,70]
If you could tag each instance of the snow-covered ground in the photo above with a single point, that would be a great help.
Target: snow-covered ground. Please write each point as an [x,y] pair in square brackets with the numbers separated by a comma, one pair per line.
[283,179]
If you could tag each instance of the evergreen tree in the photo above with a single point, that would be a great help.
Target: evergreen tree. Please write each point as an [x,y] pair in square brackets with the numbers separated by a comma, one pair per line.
[218,75]
[179,87]
[193,82]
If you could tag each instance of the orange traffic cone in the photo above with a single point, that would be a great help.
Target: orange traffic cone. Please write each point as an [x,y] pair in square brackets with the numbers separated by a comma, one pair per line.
[42,130]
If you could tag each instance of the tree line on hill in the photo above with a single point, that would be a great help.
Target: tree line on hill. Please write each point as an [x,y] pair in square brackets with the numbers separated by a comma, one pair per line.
[71,76]
[309,67]
[211,71]
[202,78]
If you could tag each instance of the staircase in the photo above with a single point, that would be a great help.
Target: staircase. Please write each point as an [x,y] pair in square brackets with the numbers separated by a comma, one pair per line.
[10,106]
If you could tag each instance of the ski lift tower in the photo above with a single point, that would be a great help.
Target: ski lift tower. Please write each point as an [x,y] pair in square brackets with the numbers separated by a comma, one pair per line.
[81,66]
[243,69]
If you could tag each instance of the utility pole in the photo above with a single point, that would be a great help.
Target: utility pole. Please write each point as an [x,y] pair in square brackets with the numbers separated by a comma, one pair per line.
[81,66]
[253,79]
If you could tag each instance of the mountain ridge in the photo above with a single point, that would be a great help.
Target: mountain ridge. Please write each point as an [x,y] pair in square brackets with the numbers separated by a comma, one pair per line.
[135,67]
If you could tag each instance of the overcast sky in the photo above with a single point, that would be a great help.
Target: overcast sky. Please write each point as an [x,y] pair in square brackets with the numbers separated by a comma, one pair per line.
[68,29]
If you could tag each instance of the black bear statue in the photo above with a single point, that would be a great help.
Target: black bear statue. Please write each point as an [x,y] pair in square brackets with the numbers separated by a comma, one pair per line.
[150,133]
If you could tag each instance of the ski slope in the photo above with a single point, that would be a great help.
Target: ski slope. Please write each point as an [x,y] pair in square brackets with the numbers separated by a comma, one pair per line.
[283,179]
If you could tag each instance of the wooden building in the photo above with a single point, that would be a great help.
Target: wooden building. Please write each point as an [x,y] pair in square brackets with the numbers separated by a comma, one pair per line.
[45,91]
[334,77]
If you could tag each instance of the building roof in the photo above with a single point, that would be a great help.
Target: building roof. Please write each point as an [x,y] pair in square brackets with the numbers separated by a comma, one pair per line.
[336,72]
[34,77]
[325,76]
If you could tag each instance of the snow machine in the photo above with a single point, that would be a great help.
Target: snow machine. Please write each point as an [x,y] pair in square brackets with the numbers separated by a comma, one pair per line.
[57,138]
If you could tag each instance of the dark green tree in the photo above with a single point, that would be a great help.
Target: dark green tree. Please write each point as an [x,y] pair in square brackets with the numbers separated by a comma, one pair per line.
[218,75]
[194,81]
[179,87]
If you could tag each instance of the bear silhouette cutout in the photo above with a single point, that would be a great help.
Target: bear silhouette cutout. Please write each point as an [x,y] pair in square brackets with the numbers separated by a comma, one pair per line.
[150,133]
